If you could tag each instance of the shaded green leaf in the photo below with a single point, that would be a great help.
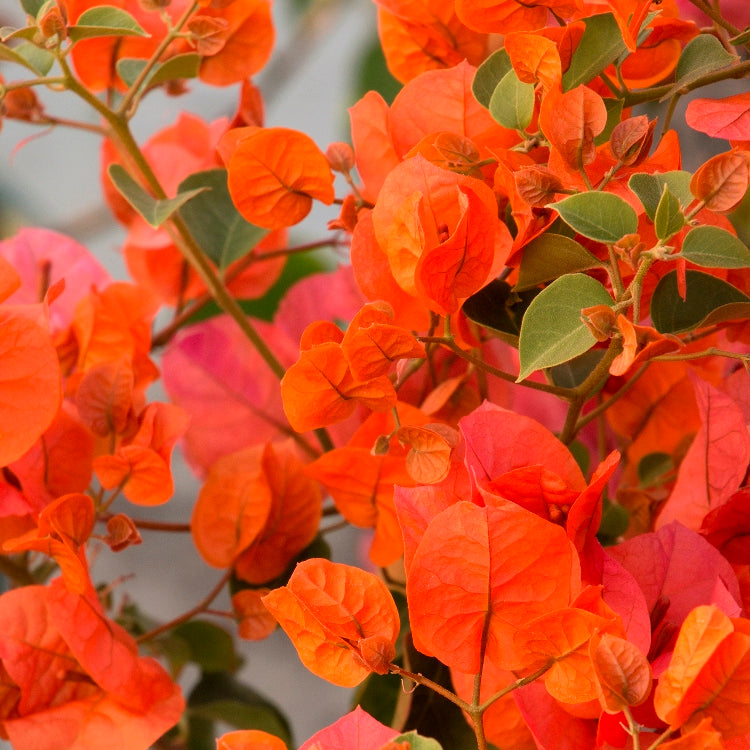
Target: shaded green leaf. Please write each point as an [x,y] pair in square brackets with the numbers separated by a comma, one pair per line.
[708,300]
[614,523]
[552,331]
[714,247]
[489,74]
[649,188]
[669,218]
[702,55]
[654,468]
[221,697]
[207,645]
[129,68]
[499,309]
[216,225]
[379,695]
[155,212]
[105,20]
[549,256]
[604,217]
[32,7]
[600,45]
[512,102]
[572,373]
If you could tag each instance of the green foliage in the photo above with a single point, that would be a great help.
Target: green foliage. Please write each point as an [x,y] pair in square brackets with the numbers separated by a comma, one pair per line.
[604,217]
[551,255]
[600,46]
[512,102]
[105,20]
[552,331]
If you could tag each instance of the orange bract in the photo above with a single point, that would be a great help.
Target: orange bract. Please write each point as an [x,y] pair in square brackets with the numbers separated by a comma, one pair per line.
[722,181]
[474,576]
[338,618]
[275,174]
[30,384]
[623,674]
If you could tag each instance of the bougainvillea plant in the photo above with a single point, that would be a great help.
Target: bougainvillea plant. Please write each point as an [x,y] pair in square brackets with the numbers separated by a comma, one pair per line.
[527,384]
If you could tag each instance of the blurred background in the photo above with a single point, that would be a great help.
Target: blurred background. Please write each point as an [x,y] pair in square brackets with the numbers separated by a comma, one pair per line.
[326,56]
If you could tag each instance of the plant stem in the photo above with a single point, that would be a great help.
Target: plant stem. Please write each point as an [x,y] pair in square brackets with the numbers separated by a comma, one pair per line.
[202,606]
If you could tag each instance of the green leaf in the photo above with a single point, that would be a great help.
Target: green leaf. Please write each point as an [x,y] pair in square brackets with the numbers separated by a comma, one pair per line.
[669,218]
[30,56]
[32,7]
[551,255]
[10,32]
[8,54]
[702,55]
[572,373]
[614,523]
[207,645]
[604,217]
[221,697]
[179,66]
[713,247]
[708,300]
[216,225]
[489,74]
[654,469]
[600,45]
[512,102]
[649,188]
[499,309]
[154,211]
[552,331]
[105,20]
[417,742]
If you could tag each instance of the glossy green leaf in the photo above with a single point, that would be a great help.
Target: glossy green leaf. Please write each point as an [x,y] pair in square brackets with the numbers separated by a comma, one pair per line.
[600,45]
[512,102]
[208,646]
[499,309]
[549,256]
[702,55]
[105,20]
[552,331]
[214,222]
[604,217]
[669,218]
[649,188]
[155,212]
[177,67]
[708,301]
[489,74]
[714,247]
[219,696]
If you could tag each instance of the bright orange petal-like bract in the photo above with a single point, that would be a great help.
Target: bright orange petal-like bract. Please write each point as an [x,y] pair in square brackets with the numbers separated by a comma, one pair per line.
[342,620]
[30,384]
[275,174]
[249,739]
